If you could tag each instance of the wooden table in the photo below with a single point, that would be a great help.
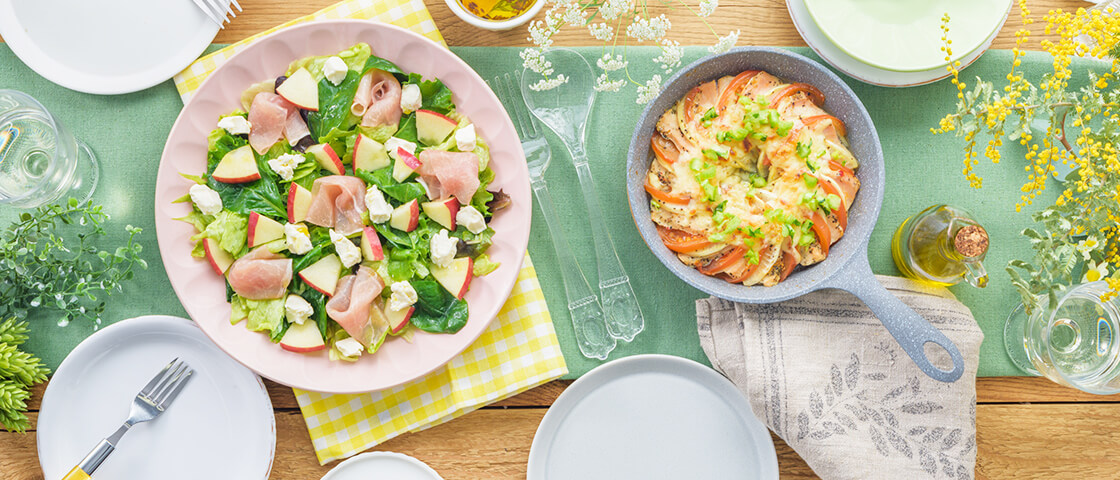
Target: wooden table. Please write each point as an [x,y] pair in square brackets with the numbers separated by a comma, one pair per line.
[1026,427]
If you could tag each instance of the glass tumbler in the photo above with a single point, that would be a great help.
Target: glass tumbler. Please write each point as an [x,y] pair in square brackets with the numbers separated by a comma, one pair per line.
[1074,344]
[40,161]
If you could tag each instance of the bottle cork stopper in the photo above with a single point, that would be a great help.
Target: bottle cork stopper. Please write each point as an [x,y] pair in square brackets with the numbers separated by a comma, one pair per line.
[971,241]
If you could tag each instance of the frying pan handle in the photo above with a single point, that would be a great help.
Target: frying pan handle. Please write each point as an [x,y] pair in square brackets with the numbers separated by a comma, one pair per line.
[908,328]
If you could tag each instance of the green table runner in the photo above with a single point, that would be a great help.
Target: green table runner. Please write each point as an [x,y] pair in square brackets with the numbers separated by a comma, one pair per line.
[128,132]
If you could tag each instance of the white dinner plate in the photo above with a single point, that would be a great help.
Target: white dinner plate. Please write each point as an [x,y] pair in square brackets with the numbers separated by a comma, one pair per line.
[220,426]
[651,416]
[106,46]
[863,72]
[387,465]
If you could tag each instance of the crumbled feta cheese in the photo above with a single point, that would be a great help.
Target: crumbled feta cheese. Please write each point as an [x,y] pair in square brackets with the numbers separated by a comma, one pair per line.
[235,125]
[285,165]
[393,143]
[403,296]
[335,70]
[443,248]
[297,310]
[379,209]
[465,138]
[410,98]
[206,199]
[297,238]
[471,218]
[349,253]
[349,347]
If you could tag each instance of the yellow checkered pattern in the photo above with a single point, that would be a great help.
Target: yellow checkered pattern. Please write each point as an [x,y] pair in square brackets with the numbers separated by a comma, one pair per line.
[517,352]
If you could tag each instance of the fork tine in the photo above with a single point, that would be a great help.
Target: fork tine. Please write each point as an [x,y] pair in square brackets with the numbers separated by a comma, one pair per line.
[238,5]
[524,118]
[168,381]
[216,12]
[176,386]
[534,128]
[502,91]
[147,390]
[228,7]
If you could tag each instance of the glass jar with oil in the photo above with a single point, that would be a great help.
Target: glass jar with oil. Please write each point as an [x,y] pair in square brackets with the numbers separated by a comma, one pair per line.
[942,245]
[497,10]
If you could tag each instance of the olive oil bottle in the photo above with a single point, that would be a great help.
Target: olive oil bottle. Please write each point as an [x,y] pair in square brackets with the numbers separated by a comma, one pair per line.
[941,245]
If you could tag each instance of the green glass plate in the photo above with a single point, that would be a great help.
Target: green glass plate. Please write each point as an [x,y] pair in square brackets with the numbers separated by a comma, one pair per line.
[905,35]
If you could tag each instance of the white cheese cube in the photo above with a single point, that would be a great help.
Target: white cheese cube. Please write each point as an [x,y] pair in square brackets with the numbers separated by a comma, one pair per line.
[349,347]
[347,252]
[466,138]
[443,248]
[335,70]
[471,218]
[403,296]
[379,209]
[410,98]
[235,125]
[297,310]
[297,238]
[206,199]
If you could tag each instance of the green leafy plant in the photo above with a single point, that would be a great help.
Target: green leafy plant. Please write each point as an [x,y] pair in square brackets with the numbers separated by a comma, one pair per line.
[41,269]
[18,372]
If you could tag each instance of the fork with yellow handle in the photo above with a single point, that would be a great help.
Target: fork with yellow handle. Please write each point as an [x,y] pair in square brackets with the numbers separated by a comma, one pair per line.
[152,400]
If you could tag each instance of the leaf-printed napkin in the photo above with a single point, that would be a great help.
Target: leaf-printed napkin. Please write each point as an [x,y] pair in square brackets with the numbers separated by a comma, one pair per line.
[828,378]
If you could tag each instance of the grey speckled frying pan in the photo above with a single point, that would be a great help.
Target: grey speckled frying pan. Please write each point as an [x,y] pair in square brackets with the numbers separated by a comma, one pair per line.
[846,267]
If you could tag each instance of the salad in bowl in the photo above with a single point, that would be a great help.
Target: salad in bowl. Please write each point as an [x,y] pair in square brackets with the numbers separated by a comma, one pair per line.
[344,203]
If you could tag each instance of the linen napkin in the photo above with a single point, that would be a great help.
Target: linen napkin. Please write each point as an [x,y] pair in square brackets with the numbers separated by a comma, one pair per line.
[517,352]
[828,378]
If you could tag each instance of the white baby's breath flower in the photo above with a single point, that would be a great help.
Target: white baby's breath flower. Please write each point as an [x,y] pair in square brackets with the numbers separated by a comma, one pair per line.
[549,83]
[651,29]
[613,9]
[707,7]
[670,57]
[533,59]
[574,15]
[649,91]
[610,64]
[604,84]
[725,43]
[601,31]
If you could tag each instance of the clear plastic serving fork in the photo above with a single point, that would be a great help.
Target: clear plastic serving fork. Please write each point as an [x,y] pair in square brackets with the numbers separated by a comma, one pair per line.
[152,400]
[587,315]
[566,110]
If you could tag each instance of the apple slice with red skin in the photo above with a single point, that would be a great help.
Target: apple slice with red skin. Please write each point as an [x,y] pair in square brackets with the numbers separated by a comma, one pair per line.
[371,245]
[303,338]
[369,154]
[432,128]
[237,166]
[456,278]
[406,217]
[301,90]
[326,158]
[323,275]
[405,166]
[299,202]
[442,211]
[398,319]
[263,229]
[219,259]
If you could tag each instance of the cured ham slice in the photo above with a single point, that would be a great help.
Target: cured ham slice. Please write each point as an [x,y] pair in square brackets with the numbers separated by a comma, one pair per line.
[269,116]
[384,106]
[295,128]
[450,173]
[353,298]
[362,95]
[338,201]
[260,275]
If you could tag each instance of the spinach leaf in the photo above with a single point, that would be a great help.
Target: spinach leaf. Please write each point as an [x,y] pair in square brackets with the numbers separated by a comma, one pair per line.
[407,130]
[381,64]
[437,311]
[395,237]
[401,192]
[262,196]
[334,106]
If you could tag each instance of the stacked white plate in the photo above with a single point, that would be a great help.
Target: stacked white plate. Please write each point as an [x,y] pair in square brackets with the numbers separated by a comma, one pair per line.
[895,43]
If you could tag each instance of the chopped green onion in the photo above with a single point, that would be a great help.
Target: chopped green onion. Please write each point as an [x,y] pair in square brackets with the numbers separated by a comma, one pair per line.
[757,181]
[804,149]
[833,201]
[752,256]
[810,181]
[654,204]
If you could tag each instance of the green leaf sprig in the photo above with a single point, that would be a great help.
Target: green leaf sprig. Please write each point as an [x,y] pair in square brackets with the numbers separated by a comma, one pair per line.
[18,372]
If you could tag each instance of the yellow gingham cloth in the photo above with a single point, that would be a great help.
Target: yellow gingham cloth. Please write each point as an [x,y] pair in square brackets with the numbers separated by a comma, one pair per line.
[517,352]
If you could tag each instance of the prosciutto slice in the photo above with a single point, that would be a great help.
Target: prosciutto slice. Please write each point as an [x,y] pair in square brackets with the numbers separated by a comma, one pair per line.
[295,128]
[353,298]
[338,201]
[450,173]
[260,275]
[384,107]
[269,116]
[362,95]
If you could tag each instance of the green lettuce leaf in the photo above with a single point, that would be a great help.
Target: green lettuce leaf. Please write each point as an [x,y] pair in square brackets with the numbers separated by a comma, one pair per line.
[355,57]
[260,315]
[230,230]
[437,311]
[483,265]
[434,95]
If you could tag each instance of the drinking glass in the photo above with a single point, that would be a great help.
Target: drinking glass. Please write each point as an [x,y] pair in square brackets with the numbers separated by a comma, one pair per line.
[40,161]
[1075,344]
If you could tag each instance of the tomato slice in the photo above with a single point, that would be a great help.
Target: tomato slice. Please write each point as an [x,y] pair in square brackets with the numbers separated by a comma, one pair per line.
[681,241]
[840,168]
[751,268]
[821,229]
[665,150]
[836,123]
[815,95]
[788,264]
[842,212]
[720,264]
[846,180]
[663,195]
[731,93]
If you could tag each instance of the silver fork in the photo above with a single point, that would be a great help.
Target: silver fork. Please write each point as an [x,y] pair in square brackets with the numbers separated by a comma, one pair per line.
[587,315]
[217,10]
[152,400]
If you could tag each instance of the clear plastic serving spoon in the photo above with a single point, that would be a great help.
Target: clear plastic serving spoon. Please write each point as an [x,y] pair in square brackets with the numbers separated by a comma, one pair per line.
[566,110]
